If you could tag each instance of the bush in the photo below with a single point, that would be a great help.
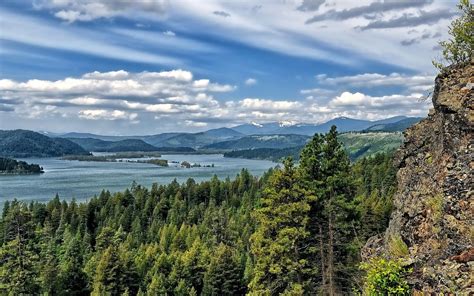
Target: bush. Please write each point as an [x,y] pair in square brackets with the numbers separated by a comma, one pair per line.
[385,277]
[460,48]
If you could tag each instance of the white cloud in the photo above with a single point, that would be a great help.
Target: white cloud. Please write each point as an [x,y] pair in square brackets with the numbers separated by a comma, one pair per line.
[371,104]
[251,81]
[96,114]
[174,99]
[195,123]
[169,33]
[269,105]
[87,10]
[415,82]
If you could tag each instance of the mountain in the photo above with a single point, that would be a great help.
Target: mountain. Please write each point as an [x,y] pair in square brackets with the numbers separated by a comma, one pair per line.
[157,139]
[260,141]
[344,124]
[397,126]
[198,140]
[97,145]
[201,139]
[256,128]
[24,143]
[223,133]
[75,135]
[175,140]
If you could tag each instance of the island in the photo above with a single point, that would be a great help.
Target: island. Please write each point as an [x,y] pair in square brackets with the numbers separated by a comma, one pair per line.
[121,157]
[10,166]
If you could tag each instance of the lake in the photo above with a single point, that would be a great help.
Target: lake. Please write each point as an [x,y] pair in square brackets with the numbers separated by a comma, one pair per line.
[83,179]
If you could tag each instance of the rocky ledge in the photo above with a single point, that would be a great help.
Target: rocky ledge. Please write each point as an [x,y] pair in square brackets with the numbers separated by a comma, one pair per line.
[431,227]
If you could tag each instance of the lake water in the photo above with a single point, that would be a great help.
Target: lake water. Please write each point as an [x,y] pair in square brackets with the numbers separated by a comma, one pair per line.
[82,180]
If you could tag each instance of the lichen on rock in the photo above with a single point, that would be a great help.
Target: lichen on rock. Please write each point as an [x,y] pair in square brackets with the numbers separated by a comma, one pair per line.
[434,204]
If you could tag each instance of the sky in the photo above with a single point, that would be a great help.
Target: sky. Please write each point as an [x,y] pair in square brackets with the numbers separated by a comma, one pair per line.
[121,67]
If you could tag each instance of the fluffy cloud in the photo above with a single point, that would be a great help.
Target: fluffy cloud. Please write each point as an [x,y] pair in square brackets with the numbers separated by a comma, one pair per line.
[115,93]
[97,114]
[269,105]
[369,103]
[175,100]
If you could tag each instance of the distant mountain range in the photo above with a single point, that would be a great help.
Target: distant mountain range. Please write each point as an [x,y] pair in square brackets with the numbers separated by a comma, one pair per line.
[344,124]
[214,136]
[274,135]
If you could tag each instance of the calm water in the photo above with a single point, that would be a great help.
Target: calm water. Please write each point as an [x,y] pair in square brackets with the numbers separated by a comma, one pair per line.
[83,180]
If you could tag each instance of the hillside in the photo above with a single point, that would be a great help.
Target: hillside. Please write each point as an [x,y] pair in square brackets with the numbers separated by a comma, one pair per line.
[260,141]
[96,145]
[273,154]
[199,140]
[398,126]
[431,228]
[365,144]
[357,145]
[23,143]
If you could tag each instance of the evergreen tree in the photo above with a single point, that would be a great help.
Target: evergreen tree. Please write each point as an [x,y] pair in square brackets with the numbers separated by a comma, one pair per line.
[224,275]
[18,257]
[325,168]
[279,240]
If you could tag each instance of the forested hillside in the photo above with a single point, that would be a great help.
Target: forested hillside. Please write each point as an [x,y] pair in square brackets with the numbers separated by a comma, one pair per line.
[295,229]
[357,145]
[96,145]
[23,143]
[261,141]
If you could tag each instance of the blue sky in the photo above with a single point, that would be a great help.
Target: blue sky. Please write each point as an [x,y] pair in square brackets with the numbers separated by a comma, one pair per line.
[123,67]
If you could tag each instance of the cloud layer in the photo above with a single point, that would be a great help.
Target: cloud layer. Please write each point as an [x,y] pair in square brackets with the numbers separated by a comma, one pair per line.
[177,99]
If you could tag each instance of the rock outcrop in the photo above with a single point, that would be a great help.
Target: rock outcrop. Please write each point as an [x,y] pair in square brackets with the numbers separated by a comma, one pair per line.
[431,226]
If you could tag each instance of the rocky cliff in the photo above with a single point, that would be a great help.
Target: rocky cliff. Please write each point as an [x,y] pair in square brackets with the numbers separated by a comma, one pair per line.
[431,227]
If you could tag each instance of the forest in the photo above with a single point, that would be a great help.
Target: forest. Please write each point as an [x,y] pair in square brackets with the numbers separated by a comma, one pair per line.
[12,166]
[296,230]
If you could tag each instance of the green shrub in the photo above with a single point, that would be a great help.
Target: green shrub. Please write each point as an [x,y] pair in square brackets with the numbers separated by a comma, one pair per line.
[460,48]
[385,277]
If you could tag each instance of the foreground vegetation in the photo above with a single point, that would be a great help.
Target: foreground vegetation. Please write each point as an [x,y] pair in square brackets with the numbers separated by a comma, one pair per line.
[10,166]
[294,230]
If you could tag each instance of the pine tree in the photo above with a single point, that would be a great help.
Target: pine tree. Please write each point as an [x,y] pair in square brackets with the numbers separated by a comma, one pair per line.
[18,268]
[278,242]
[325,168]
[224,275]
